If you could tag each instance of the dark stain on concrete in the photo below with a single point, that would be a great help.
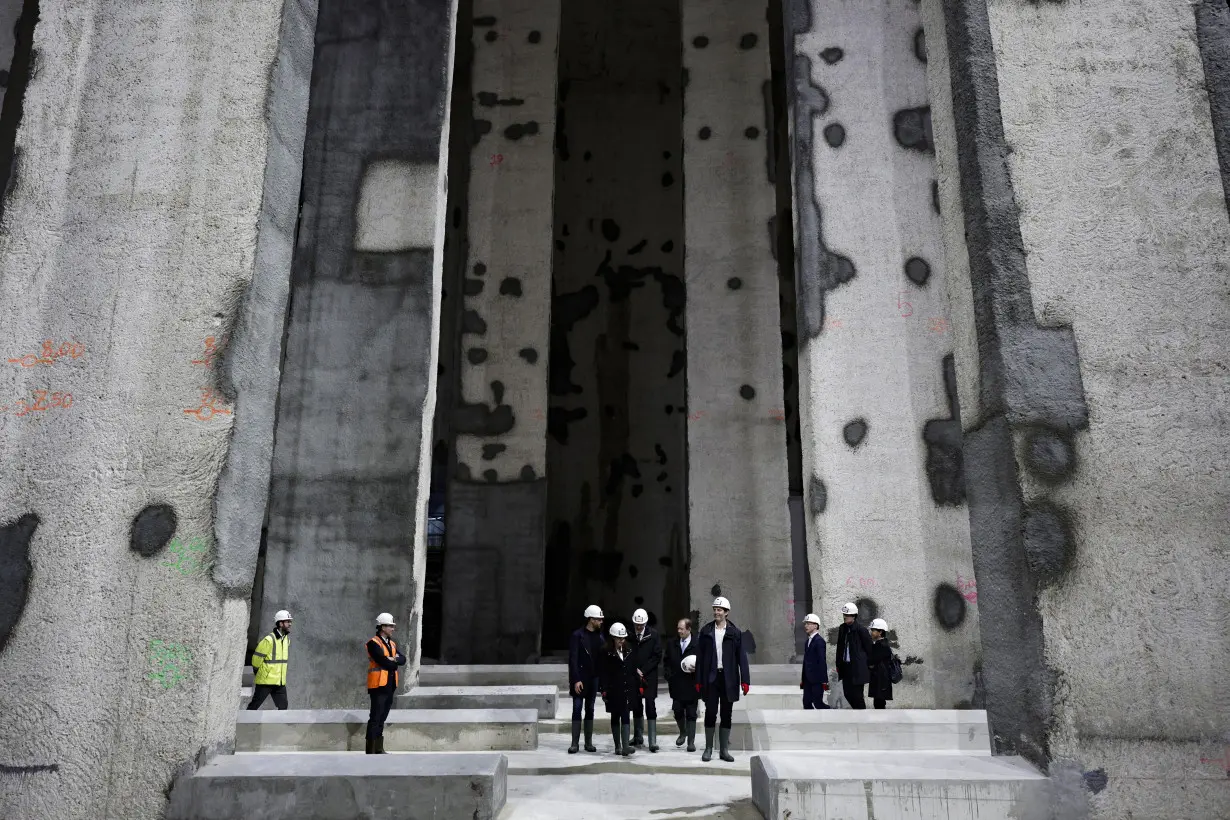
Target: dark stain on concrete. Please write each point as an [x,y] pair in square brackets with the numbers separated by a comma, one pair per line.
[558,419]
[748,41]
[15,571]
[472,322]
[705,132]
[566,310]
[610,230]
[751,132]
[668,246]
[917,270]
[479,128]
[483,22]
[700,42]
[638,247]
[854,432]
[747,392]
[483,420]
[668,179]
[637,489]
[623,467]
[491,36]
[489,99]
[529,354]
[679,361]
[1096,780]
[490,451]
[473,287]
[832,55]
[491,476]
[1050,454]
[1048,541]
[868,610]
[835,134]
[528,473]
[715,590]
[521,129]
[601,566]
[949,607]
[660,453]
[476,355]
[818,496]
[920,45]
[945,459]
[935,195]
[152,529]
[912,129]
[480,269]
[33,769]
[510,286]
[535,37]
[734,283]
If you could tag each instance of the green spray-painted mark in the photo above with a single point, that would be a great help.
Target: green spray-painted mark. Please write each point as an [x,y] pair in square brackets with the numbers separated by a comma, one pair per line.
[171,662]
[188,558]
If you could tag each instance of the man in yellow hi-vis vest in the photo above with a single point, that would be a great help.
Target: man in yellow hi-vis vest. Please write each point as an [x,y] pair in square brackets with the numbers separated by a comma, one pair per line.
[269,663]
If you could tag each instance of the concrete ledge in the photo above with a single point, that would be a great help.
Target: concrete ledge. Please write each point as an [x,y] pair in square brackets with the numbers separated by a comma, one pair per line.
[543,699]
[406,730]
[518,674]
[343,787]
[921,786]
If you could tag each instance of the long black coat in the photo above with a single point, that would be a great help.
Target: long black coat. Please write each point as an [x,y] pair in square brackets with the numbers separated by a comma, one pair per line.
[881,684]
[585,650]
[815,661]
[620,684]
[734,661]
[682,686]
[855,670]
[648,654]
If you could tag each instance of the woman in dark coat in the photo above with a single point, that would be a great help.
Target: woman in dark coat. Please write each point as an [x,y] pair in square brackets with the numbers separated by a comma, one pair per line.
[682,683]
[621,687]
[881,689]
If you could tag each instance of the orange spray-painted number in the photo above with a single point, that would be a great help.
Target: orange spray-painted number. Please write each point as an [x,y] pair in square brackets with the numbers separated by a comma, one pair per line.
[209,406]
[50,354]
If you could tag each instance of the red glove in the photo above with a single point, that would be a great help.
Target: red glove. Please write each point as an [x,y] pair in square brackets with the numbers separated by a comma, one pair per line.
[604,695]
[826,686]
[800,686]
[746,686]
[698,687]
[642,690]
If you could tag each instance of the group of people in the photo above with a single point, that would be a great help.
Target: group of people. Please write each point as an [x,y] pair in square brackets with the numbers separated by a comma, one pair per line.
[864,658]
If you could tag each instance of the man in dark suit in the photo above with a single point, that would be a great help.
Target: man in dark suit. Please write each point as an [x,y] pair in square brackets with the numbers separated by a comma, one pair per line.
[681,682]
[721,671]
[647,650]
[815,680]
[853,647]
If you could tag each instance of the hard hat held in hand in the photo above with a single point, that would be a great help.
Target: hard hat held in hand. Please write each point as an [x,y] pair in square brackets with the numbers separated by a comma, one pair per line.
[618,631]
[849,609]
[385,619]
[640,617]
[592,611]
[282,615]
[722,602]
[879,624]
[812,618]
[689,664]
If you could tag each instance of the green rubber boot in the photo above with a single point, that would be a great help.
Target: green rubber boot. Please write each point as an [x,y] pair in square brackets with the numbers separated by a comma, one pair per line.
[652,726]
[589,736]
[708,755]
[691,735]
[683,734]
[576,738]
[637,739]
[724,745]
[615,734]
[628,749]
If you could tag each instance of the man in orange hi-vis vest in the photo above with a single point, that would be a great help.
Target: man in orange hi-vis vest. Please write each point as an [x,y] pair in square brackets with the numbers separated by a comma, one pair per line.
[383,661]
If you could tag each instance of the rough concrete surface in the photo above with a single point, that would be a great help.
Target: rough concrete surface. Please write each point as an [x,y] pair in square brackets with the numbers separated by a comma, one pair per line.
[406,730]
[134,236]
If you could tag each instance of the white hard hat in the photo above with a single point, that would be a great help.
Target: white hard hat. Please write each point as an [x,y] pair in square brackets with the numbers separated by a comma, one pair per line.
[640,617]
[593,611]
[879,624]
[849,609]
[689,664]
[385,619]
[722,602]
[282,615]
[812,618]
[618,631]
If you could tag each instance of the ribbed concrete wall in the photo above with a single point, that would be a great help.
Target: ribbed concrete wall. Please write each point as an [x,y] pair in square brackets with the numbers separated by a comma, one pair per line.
[148,227]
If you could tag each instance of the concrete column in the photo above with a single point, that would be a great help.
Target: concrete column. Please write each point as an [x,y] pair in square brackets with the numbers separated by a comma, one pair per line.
[738,515]
[496,513]
[351,463]
[144,267]
[1097,248]
[887,525]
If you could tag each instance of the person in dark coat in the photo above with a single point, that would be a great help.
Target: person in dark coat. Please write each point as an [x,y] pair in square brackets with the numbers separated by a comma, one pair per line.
[682,682]
[815,680]
[853,647]
[585,651]
[384,662]
[647,650]
[721,671]
[621,687]
[881,689]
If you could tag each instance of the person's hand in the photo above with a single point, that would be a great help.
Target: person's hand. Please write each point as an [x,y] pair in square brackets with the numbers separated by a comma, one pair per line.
[640,673]
[746,686]
[604,697]
[825,686]
[578,688]
[642,690]
[800,686]
[698,687]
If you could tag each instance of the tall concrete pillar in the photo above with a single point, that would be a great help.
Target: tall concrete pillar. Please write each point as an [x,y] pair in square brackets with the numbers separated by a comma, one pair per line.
[144,267]
[887,526]
[738,515]
[352,456]
[496,513]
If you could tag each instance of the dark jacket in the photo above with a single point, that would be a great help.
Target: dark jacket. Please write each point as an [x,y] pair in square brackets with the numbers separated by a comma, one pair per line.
[620,684]
[877,664]
[682,686]
[585,651]
[859,639]
[384,662]
[734,661]
[815,662]
[648,654]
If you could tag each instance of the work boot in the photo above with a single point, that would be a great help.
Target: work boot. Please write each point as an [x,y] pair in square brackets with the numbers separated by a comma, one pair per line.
[628,750]
[691,735]
[683,734]
[589,736]
[653,735]
[724,745]
[371,746]
[576,738]
[380,746]
[615,734]
[708,755]
[637,740]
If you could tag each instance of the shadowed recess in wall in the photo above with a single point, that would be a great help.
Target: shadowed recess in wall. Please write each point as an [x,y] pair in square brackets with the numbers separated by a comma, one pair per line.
[15,571]
[945,460]
[152,530]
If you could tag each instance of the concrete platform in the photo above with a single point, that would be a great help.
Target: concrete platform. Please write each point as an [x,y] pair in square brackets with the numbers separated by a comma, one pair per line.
[544,699]
[407,730]
[919,785]
[536,674]
[761,697]
[343,787]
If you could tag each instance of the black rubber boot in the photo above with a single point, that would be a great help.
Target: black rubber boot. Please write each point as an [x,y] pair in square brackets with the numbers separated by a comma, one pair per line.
[628,750]
[653,734]
[589,736]
[380,746]
[683,734]
[691,735]
[724,745]
[615,734]
[637,740]
[576,738]
[708,755]
[371,746]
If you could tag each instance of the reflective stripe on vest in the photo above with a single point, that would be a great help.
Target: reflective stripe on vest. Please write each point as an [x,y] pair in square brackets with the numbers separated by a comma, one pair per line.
[376,675]
[272,671]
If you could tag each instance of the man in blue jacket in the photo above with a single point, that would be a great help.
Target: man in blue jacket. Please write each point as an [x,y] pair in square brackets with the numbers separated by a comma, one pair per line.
[584,657]
[721,671]
[815,680]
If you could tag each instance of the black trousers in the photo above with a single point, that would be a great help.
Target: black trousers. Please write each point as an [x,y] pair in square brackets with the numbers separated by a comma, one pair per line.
[715,697]
[382,702]
[879,703]
[684,709]
[646,706]
[585,700]
[262,691]
[854,694]
[813,696]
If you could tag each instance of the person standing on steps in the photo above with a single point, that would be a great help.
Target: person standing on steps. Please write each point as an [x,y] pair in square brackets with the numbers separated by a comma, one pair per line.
[647,650]
[681,680]
[853,647]
[881,689]
[585,652]
[721,671]
[621,687]
[815,681]
[384,660]
[269,664]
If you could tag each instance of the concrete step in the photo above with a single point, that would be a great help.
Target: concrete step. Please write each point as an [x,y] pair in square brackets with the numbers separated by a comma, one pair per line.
[406,730]
[862,785]
[543,699]
[761,697]
[343,786]
[532,674]
[887,730]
